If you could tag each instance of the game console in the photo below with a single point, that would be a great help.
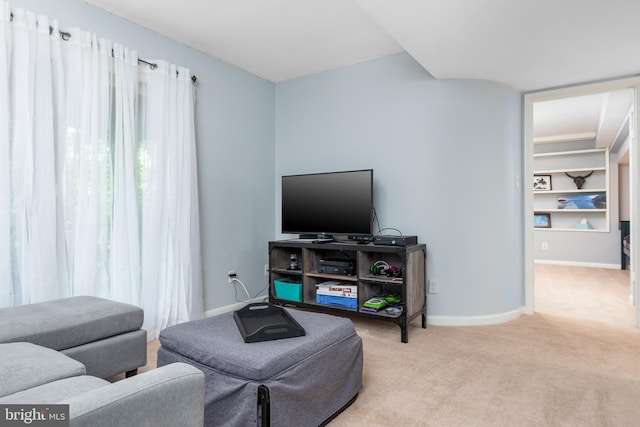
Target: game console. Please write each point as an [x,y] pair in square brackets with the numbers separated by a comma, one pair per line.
[389,240]
[336,266]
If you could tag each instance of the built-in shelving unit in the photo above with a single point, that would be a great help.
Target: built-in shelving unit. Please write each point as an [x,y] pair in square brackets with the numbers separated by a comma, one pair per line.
[566,205]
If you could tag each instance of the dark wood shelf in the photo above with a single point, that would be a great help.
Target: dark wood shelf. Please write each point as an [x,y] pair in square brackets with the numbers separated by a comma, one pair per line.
[411,286]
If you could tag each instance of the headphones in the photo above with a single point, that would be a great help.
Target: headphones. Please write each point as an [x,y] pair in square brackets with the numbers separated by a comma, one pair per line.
[382,268]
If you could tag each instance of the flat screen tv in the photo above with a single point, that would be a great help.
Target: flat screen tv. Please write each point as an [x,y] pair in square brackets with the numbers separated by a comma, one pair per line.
[328,204]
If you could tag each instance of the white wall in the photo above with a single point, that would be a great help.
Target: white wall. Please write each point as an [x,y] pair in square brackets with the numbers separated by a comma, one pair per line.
[624,177]
[445,154]
[235,147]
[623,180]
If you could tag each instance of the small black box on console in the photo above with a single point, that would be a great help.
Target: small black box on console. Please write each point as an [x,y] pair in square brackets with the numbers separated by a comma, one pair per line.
[336,266]
[395,240]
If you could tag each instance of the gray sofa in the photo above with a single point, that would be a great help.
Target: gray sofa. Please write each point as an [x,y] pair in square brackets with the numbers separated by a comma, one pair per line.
[105,336]
[62,352]
[172,395]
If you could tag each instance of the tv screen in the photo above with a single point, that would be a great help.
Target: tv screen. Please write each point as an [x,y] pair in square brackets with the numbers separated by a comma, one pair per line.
[333,203]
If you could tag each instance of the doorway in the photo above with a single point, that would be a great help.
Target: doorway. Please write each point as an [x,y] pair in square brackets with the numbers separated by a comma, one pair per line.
[532,251]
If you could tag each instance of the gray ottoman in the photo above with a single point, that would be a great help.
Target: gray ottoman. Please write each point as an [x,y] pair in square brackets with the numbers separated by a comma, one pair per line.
[302,381]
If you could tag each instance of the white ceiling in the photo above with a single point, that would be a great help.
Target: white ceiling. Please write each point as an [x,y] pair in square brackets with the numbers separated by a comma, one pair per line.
[527,44]
[274,39]
[596,116]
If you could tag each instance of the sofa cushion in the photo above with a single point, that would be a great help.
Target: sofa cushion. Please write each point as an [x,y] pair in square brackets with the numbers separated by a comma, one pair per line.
[68,322]
[24,365]
[55,391]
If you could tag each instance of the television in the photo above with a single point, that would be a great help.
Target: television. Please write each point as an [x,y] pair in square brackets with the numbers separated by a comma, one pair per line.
[327,204]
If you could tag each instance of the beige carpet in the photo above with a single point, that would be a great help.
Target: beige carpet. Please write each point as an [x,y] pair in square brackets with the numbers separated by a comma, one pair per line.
[574,363]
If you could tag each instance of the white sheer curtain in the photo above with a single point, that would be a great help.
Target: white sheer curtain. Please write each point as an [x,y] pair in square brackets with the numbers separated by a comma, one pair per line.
[98,191]
[31,207]
[6,276]
[125,237]
[169,200]
[86,162]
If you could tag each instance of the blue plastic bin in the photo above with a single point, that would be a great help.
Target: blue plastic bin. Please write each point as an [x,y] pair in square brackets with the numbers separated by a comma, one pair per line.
[289,289]
[337,301]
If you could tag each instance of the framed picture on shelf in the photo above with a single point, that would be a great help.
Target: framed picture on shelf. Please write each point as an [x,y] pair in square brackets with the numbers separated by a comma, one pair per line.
[542,220]
[583,201]
[542,183]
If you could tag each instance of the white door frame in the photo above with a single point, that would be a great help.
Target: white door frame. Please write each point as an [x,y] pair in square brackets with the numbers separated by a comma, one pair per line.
[634,186]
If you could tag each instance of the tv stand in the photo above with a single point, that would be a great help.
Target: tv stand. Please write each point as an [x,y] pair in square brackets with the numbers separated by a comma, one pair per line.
[410,285]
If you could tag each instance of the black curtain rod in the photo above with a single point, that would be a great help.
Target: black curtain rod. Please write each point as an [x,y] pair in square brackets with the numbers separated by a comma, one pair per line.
[66,36]
[151,65]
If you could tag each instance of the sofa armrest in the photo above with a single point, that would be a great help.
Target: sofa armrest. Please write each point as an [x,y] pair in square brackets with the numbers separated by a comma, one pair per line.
[172,395]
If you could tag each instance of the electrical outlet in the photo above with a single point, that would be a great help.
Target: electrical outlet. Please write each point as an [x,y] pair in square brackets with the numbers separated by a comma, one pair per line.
[232,274]
[266,269]
[434,286]
[545,246]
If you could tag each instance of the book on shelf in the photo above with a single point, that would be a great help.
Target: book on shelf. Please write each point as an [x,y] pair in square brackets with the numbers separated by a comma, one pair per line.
[336,288]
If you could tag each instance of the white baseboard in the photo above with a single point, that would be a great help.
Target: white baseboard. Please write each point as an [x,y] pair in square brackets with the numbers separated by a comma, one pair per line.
[579,264]
[492,319]
[231,307]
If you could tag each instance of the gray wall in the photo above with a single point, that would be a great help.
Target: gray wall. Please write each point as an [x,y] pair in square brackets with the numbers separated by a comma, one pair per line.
[446,156]
[235,147]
